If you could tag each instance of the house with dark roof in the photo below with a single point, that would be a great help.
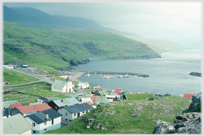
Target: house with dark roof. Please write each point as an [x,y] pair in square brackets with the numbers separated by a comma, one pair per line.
[43,121]
[63,86]
[16,124]
[30,109]
[70,113]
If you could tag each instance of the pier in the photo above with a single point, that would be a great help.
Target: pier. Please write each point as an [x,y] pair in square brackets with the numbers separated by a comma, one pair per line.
[116,73]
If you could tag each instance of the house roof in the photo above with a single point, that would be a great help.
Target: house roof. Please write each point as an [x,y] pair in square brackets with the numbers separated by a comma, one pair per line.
[188,95]
[58,83]
[72,101]
[81,84]
[117,90]
[83,100]
[43,98]
[89,102]
[73,95]
[88,95]
[40,117]
[59,103]
[102,92]
[16,105]
[78,108]
[94,97]
[66,102]
[7,104]
[33,108]
[102,99]
[15,124]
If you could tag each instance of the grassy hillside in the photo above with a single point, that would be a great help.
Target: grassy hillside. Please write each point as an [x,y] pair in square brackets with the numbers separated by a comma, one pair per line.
[54,48]
[123,122]
[15,78]
[156,45]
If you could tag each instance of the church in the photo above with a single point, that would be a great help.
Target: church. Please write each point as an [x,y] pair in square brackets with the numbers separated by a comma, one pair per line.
[63,86]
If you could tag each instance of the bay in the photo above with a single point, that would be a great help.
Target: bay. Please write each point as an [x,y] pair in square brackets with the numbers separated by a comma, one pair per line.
[168,74]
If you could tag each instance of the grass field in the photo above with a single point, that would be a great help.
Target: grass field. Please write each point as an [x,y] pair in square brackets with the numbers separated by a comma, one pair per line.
[16,78]
[139,96]
[124,122]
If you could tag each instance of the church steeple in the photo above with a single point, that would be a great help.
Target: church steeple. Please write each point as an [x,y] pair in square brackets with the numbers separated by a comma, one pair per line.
[68,79]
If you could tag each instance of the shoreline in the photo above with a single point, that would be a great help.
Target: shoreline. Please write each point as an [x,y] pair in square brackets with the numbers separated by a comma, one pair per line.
[74,75]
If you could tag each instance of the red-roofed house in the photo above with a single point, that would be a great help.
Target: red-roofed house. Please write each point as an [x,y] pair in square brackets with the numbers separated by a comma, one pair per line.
[30,109]
[93,98]
[16,105]
[188,95]
[118,91]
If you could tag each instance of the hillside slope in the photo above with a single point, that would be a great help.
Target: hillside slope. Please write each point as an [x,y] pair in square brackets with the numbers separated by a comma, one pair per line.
[157,45]
[127,117]
[56,48]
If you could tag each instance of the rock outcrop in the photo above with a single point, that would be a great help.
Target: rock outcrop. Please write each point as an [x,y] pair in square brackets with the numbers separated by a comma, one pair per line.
[185,123]
[196,103]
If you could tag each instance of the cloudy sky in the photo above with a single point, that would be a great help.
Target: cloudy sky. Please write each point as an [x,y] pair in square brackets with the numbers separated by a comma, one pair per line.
[179,22]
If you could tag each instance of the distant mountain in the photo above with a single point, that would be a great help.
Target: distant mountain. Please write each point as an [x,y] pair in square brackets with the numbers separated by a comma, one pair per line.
[31,17]
[157,45]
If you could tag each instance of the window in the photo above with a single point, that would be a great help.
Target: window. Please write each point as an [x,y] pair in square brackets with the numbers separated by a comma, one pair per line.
[45,129]
[66,119]
[33,124]
[74,114]
[34,132]
[66,114]
[52,121]
[86,111]
[45,123]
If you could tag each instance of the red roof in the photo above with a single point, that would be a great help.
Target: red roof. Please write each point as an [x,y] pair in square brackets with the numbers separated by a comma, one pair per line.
[93,97]
[33,108]
[188,95]
[117,90]
[16,105]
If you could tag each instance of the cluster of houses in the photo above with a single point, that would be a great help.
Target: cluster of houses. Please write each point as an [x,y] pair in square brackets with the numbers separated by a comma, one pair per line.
[51,113]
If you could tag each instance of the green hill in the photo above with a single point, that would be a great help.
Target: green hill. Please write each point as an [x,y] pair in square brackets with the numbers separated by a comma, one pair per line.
[52,49]
[130,117]
[157,45]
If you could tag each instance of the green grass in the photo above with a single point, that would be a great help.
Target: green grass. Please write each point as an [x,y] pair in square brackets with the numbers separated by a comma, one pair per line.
[126,124]
[50,49]
[139,96]
[16,78]
[31,93]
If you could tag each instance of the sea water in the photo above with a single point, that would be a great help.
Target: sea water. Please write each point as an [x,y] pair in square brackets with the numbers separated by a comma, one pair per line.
[168,74]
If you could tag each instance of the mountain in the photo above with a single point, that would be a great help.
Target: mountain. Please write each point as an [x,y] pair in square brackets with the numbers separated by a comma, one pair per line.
[31,17]
[157,45]
[52,49]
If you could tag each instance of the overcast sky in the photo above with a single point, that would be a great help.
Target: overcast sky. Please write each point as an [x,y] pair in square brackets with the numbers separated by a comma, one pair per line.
[179,22]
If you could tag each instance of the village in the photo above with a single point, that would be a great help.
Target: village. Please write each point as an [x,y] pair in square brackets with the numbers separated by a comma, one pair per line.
[50,113]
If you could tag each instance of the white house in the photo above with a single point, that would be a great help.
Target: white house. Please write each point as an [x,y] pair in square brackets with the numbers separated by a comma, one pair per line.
[44,121]
[83,85]
[70,113]
[63,86]
[84,100]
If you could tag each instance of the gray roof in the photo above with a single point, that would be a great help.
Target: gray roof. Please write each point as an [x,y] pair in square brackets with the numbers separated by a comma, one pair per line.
[40,117]
[15,124]
[58,83]
[6,104]
[72,101]
[78,108]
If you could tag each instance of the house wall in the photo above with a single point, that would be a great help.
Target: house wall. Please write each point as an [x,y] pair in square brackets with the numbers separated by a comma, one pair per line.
[57,88]
[41,128]
[70,116]
[28,132]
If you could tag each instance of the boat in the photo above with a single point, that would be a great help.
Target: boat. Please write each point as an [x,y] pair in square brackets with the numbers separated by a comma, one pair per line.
[106,77]
[87,74]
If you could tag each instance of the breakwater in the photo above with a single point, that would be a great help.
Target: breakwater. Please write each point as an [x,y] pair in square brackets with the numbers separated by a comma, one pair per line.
[116,73]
